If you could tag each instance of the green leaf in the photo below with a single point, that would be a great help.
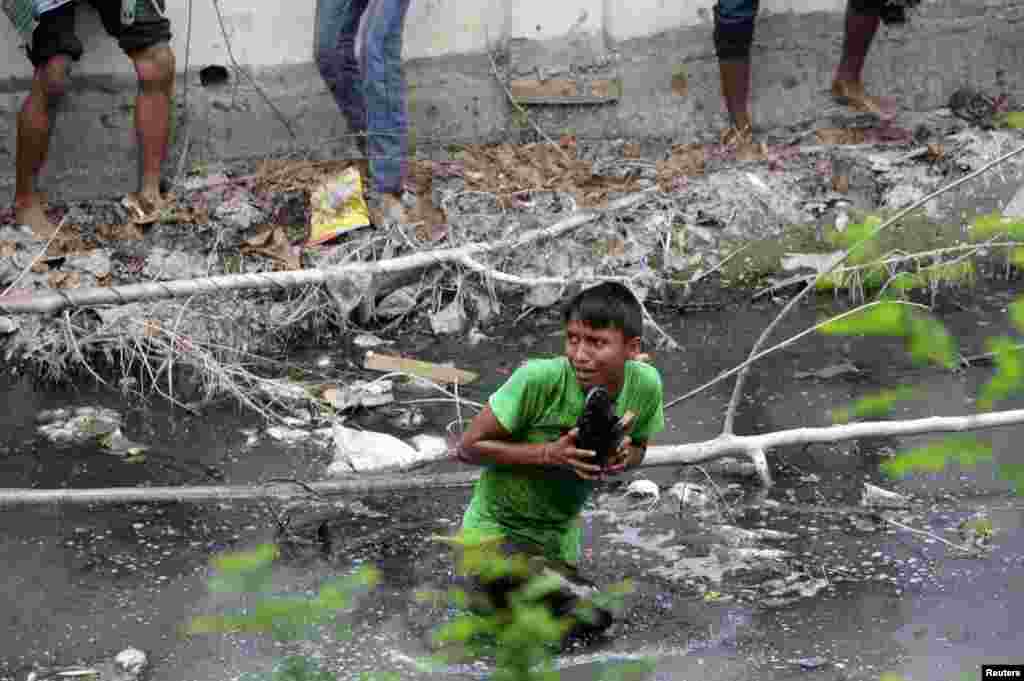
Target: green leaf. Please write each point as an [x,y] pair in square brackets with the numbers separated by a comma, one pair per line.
[883,319]
[994,224]
[930,342]
[240,561]
[1017,314]
[1013,119]
[1013,472]
[1009,372]
[966,450]
[873,406]
[905,282]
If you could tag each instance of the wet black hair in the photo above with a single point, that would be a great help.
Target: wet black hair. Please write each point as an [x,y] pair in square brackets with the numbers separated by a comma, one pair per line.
[609,305]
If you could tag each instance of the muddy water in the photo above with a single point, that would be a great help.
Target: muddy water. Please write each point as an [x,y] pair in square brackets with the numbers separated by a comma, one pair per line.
[82,583]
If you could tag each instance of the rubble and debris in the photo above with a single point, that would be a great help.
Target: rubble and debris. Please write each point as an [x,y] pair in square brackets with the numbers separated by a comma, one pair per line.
[816,262]
[690,494]
[8,325]
[877,497]
[239,212]
[643,489]
[78,425]
[366,394]
[844,368]
[449,320]
[1015,207]
[438,373]
[364,451]
[368,340]
[399,302]
[338,206]
[129,665]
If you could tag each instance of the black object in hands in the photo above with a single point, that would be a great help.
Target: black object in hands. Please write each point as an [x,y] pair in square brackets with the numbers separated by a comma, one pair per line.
[598,428]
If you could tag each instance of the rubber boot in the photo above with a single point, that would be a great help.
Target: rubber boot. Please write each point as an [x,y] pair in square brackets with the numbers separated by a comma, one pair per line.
[848,86]
[735,75]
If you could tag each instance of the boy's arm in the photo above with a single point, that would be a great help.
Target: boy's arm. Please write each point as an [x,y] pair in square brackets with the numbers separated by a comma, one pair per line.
[486,441]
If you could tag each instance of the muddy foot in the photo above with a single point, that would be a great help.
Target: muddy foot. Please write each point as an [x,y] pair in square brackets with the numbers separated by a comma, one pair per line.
[34,216]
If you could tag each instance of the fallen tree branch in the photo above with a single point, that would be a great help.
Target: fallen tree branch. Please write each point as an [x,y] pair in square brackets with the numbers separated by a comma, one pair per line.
[743,369]
[55,301]
[752,446]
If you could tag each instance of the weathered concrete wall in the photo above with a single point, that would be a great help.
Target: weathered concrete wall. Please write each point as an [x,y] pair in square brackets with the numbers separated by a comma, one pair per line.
[454,95]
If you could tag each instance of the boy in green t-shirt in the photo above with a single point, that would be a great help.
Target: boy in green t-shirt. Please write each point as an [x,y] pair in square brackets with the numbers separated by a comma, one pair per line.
[536,480]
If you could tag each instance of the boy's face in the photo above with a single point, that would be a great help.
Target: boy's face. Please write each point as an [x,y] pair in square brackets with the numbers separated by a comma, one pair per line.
[598,356]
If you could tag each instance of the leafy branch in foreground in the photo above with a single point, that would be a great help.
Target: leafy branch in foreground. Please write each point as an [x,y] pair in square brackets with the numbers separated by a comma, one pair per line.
[927,341]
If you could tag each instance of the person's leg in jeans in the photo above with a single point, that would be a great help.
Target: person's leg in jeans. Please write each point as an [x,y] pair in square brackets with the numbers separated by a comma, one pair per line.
[380,53]
[54,47]
[862,20]
[734,35]
[337,29]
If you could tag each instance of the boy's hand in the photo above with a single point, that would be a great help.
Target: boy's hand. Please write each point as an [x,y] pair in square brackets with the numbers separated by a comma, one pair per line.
[626,456]
[564,454]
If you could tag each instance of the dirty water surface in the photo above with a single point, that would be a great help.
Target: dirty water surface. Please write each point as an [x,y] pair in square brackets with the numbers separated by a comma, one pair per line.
[854,597]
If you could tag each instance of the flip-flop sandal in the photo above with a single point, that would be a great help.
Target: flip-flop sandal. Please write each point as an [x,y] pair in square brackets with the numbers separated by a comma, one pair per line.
[142,211]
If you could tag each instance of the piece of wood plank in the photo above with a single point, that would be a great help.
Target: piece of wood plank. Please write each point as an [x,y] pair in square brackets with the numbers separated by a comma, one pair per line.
[376,361]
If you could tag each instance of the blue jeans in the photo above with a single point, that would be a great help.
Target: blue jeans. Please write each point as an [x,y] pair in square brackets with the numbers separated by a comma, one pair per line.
[734,24]
[369,87]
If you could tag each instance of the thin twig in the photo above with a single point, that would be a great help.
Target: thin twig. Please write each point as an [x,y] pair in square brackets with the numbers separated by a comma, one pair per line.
[779,346]
[923,533]
[238,68]
[187,137]
[32,263]
[730,414]
[519,107]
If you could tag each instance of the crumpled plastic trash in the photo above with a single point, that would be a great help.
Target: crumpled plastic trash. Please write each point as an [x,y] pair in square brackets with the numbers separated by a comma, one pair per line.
[338,206]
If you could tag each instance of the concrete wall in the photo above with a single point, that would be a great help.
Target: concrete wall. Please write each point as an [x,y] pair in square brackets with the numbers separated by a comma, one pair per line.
[454,95]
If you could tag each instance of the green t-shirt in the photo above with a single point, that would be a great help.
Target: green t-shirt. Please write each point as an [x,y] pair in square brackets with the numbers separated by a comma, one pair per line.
[539,402]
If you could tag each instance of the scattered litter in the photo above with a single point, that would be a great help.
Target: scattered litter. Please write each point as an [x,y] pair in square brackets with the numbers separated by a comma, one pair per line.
[80,425]
[367,394]
[690,494]
[272,242]
[543,295]
[882,498]
[819,262]
[363,451]
[430,447]
[239,212]
[645,489]
[1015,207]
[438,373]
[408,419]
[810,663]
[845,368]
[476,337]
[368,340]
[449,320]
[399,302]
[8,326]
[131,661]
[288,435]
[338,206]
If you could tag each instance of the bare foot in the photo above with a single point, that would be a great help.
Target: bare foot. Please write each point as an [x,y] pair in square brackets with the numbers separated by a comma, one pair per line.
[33,215]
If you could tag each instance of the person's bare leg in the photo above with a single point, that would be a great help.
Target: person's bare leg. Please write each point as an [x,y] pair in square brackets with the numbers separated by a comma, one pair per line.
[154,67]
[848,84]
[35,121]
[735,77]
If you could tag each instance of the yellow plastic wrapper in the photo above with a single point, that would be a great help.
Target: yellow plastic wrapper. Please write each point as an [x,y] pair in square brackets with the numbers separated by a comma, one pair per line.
[338,206]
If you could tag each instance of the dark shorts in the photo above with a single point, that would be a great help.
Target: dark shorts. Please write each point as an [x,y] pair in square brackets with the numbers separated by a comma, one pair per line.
[55,33]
